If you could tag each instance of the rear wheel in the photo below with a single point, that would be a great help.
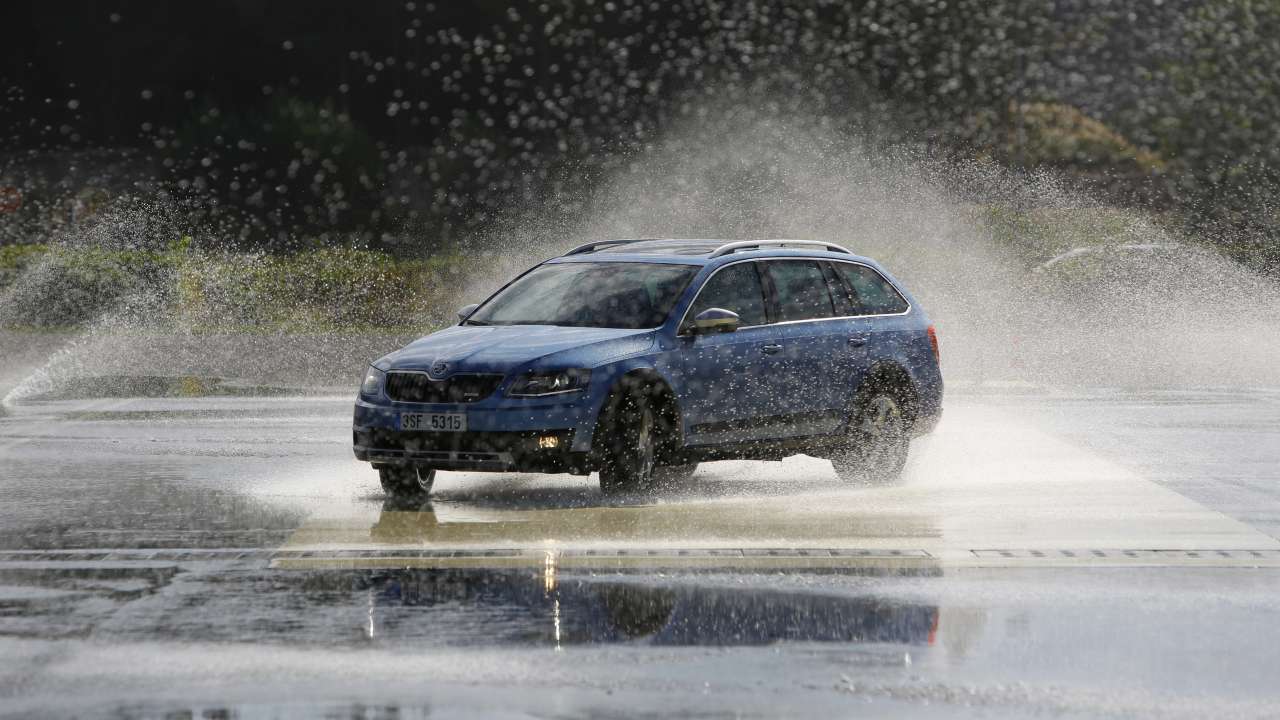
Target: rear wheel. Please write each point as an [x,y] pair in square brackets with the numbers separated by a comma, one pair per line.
[631,446]
[408,481]
[876,448]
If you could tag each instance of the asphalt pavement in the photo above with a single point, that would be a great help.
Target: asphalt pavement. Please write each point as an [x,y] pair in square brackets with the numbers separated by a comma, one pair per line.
[184,546]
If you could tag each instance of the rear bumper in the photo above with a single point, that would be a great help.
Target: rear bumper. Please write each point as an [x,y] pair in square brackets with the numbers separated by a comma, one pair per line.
[929,409]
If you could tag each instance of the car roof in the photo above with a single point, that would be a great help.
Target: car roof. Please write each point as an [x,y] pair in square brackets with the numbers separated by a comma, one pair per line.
[701,251]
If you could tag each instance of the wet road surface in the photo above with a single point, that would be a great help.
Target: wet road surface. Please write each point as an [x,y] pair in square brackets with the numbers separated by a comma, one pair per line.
[1100,553]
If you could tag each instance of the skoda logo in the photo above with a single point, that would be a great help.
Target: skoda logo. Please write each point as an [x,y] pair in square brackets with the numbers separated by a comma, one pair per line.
[439,368]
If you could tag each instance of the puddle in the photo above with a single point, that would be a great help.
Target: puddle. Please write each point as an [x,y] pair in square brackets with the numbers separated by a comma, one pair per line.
[54,600]
[524,609]
[437,607]
[413,608]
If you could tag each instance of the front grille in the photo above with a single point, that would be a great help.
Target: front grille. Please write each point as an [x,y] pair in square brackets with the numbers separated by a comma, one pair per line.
[418,388]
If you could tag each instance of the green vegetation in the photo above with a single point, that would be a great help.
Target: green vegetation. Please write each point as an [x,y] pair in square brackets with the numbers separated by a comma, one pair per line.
[332,289]
[1036,235]
[1065,138]
[311,291]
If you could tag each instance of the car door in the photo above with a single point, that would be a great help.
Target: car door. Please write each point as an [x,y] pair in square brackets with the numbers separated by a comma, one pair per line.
[808,357]
[852,354]
[881,314]
[723,394]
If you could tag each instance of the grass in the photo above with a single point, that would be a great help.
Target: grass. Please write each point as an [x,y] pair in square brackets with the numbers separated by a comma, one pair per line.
[336,290]
[314,291]
[1034,236]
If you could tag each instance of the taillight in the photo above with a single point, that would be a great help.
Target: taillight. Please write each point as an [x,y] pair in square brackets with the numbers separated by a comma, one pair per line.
[933,341]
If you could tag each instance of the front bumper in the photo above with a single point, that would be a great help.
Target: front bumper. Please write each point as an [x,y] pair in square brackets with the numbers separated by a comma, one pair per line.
[503,435]
[524,451]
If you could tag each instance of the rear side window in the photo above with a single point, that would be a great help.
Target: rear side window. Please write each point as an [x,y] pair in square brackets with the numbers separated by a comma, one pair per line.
[802,290]
[872,294]
[736,287]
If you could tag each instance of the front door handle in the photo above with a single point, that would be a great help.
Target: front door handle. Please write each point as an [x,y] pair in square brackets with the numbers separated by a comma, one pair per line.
[771,348]
[858,340]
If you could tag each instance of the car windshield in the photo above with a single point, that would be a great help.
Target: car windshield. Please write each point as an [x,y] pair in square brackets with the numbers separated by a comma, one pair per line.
[624,295]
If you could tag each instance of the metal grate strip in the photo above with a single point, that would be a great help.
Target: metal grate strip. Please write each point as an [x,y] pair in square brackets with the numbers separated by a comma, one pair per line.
[1131,554]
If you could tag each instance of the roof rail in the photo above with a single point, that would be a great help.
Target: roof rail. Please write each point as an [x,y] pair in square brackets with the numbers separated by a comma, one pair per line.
[757,244]
[588,247]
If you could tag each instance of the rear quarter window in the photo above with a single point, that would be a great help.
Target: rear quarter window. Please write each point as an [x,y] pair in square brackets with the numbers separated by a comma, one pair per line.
[872,294]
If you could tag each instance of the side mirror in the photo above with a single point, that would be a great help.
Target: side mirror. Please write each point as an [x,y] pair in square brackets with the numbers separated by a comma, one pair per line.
[465,311]
[716,320]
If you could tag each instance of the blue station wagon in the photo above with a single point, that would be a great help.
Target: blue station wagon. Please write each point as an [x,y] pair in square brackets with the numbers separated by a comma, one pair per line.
[638,359]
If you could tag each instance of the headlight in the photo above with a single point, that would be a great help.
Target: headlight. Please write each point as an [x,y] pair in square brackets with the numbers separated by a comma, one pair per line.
[372,382]
[549,382]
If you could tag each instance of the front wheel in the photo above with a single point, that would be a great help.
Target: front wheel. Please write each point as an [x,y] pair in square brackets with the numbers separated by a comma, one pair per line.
[876,448]
[406,481]
[630,452]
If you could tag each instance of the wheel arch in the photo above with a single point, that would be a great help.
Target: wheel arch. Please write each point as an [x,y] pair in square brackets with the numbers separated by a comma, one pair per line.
[650,384]
[893,377]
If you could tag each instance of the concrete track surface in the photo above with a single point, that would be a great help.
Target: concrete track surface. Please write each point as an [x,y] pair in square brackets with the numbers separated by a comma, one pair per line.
[1082,553]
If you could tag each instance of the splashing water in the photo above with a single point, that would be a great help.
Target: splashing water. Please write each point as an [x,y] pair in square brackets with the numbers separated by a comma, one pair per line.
[1027,280]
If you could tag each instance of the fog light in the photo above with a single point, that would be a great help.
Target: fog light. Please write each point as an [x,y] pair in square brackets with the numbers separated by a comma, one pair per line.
[548,442]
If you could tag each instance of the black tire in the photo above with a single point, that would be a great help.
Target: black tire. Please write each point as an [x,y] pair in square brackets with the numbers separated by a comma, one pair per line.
[401,482]
[629,455]
[878,440]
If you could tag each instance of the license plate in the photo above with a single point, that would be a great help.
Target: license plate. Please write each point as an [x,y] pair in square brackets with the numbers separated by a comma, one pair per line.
[434,422]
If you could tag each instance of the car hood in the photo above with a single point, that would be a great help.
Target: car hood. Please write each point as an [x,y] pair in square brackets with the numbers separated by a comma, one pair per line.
[505,348]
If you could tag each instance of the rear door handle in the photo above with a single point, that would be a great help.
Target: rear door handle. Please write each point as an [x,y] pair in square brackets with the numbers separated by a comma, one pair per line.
[771,348]
[858,340]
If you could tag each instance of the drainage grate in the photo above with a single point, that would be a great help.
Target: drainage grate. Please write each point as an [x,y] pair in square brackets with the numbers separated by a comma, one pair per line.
[201,554]
[708,558]
[134,555]
[815,559]
[1130,554]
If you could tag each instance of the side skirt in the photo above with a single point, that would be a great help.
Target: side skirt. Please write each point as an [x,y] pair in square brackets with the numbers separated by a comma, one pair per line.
[816,445]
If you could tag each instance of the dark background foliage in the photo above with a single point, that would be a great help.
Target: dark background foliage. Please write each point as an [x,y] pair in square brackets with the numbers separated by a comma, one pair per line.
[408,125]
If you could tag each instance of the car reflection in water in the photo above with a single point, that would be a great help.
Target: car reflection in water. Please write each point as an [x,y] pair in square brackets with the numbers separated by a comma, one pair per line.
[511,607]
[541,607]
